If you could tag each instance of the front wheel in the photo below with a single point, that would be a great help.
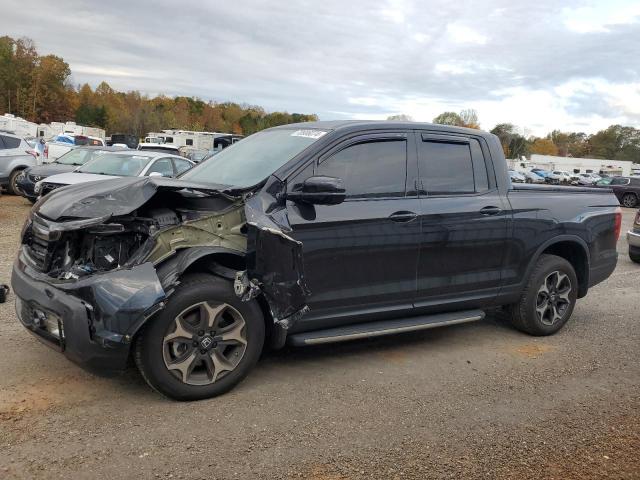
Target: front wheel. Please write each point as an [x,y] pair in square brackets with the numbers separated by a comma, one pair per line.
[634,255]
[203,343]
[548,298]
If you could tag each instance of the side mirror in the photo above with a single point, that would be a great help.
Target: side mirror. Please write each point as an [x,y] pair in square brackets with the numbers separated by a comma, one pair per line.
[319,190]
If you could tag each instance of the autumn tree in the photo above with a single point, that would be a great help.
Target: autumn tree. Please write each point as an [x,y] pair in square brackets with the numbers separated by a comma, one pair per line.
[543,146]
[466,118]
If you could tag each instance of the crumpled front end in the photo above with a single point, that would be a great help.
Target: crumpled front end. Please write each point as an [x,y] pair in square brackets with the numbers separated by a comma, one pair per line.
[101,261]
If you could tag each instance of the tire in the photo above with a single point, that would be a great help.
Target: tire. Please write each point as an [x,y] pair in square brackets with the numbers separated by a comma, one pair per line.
[629,200]
[12,188]
[176,338]
[634,255]
[549,271]
[528,180]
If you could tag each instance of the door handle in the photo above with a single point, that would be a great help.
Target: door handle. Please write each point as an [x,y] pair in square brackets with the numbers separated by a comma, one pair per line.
[487,211]
[403,216]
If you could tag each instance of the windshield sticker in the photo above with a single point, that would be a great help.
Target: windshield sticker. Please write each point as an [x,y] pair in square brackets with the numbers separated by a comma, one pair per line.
[309,133]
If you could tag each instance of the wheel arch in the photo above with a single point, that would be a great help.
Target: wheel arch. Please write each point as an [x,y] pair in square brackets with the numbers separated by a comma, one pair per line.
[219,261]
[574,250]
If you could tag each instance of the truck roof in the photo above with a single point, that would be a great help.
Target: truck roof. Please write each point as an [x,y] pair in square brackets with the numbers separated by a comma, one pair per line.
[380,125]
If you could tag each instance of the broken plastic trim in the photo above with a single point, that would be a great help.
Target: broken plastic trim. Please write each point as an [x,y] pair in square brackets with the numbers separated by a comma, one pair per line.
[274,259]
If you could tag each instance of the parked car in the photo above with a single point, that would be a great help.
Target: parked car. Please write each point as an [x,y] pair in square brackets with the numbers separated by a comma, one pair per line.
[195,154]
[159,147]
[516,177]
[61,144]
[559,177]
[633,239]
[68,162]
[128,139]
[307,233]
[113,164]
[541,172]
[15,155]
[587,179]
[627,189]
[532,177]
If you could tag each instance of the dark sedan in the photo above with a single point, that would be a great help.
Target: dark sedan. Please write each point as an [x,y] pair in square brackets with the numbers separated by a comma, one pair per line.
[66,163]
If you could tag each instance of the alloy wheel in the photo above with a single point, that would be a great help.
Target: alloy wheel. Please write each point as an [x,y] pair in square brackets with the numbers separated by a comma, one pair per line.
[204,343]
[629,200]
[552,301]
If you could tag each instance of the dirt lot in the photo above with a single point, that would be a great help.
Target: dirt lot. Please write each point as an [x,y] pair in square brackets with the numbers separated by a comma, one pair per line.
[473,401]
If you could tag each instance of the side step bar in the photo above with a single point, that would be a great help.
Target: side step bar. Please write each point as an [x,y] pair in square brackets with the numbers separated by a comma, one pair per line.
[385,327]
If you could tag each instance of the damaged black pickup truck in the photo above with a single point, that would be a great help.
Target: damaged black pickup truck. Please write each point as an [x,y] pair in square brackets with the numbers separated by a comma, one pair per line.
[307,234]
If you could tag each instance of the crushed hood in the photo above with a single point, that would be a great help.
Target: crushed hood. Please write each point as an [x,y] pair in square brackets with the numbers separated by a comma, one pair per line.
[119,196]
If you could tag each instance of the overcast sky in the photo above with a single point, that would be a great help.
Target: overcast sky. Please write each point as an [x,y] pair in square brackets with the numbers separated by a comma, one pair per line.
[544,64]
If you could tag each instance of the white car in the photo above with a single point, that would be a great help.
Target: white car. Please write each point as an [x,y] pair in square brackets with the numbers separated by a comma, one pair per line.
[560,176]
[61,144]
[587,178]
[108,165]
[532,177]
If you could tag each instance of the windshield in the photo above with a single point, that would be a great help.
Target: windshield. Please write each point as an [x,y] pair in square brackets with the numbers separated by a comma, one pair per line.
[108,163]
[250,161]
[77,156]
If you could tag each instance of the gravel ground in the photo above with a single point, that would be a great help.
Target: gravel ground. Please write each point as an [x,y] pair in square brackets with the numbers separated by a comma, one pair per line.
[472,401]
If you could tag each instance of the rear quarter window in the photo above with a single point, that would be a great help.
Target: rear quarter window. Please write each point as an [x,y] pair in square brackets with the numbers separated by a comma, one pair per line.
[10,142]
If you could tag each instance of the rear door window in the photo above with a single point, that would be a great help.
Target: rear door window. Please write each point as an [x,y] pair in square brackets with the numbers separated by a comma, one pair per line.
[451,167]
[370,168]
[181,165]
[163,166]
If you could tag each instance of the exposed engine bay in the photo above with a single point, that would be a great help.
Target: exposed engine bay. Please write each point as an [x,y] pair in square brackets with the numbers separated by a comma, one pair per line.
[146,220]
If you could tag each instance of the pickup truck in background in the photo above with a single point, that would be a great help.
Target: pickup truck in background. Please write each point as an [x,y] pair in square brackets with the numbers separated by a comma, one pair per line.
[61,144]
[304,234]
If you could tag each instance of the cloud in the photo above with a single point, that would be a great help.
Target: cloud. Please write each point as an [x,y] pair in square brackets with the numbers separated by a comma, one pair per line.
[538,64]
[462,34]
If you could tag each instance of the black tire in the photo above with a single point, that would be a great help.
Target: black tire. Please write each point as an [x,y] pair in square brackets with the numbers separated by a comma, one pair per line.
[12,188]
[634,255]
[524,315]
[151,344]
[629,200]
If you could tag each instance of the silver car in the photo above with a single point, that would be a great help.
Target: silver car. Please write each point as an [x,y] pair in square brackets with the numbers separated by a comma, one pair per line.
[106,165]
[15,155]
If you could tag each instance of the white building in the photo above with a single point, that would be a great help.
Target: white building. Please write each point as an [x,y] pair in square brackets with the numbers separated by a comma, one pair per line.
[581,165]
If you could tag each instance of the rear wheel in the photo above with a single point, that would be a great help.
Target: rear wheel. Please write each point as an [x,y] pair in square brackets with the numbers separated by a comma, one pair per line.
[629,200]
[203,343]
[548,299]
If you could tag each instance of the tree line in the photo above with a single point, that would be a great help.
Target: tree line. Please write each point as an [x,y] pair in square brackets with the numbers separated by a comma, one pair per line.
[615,142]
[38,88]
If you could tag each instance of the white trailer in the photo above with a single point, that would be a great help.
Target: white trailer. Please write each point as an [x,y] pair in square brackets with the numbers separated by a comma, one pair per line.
[197,140]
[18,126]
[575,165]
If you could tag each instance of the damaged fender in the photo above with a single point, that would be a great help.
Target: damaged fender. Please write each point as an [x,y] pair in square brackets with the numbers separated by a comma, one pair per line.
[274,259]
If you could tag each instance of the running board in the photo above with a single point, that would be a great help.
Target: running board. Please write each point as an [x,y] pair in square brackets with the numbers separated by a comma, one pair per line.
[385,327]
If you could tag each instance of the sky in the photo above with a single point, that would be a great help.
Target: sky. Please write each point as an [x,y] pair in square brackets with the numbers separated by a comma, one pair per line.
[541,65]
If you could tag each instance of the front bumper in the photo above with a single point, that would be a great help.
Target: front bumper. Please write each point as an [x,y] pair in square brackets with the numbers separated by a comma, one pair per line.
[98,314]
[25,187]
[633,239]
